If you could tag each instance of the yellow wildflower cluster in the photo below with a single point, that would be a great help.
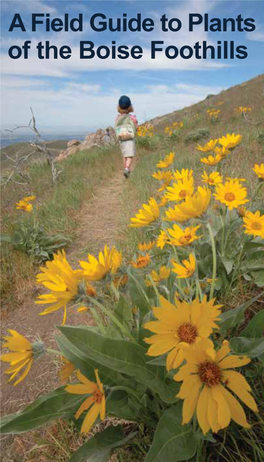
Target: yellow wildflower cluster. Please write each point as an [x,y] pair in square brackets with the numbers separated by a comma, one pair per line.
[24,204]
[145,131]
[170,283]
[243,110]
[172,129]
[220,147]
[213,114]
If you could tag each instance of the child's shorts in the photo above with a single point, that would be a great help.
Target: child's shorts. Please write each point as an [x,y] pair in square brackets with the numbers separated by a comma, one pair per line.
[128,148]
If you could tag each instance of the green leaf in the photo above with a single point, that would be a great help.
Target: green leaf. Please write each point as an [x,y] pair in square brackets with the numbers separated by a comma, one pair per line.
[108,376]
[235,316]
[172,441]
[252,347]
[228,264]
[121,356]
[100,446]
[258,278]
[56,404]
[120,405]
[255,326]
[251,246]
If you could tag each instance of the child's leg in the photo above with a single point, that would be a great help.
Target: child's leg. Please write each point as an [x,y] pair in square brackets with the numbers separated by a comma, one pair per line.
[128,162]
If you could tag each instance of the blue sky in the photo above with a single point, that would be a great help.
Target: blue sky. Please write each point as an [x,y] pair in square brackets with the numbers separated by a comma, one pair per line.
[84,93]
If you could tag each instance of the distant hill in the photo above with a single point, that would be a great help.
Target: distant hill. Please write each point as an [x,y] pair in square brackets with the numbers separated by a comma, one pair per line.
[24,149]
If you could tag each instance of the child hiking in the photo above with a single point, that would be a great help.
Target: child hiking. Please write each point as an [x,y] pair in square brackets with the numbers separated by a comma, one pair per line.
[126,128]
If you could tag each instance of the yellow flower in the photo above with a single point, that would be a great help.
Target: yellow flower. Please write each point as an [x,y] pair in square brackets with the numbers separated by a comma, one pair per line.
[193,206]
[183,237]
[90,290]
[180,324]
[163,274]
[167,161]
[162,239]
[184,174]
[206,378]
[187,268]
[95,401]
[121,281]
[242,211]
[222,152]
[29,198]
[83,309]
[23,353]
[147,215]
[228,178]
[213,179]
[108,261]
[231,193]
[254,224]
[259,170]
[163,201]
[58,276]
[141,261]
[67,370]
[24,205]
[230,141]
[167,177]
[162,175]
[210,160]
[146,246]
[208,146]
[180,190]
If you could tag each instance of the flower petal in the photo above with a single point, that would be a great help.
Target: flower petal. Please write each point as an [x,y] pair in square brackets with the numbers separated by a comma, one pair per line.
[240,387]
[90,418]
[223,411]
[237,412]
[202,410]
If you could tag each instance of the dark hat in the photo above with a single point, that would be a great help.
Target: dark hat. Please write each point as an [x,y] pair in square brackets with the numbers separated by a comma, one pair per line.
[124,102]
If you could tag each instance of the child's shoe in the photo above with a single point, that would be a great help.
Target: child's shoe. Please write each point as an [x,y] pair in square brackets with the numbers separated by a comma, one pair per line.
[126,172]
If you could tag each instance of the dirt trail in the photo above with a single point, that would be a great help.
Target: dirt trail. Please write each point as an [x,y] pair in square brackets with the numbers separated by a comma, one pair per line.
[100,218]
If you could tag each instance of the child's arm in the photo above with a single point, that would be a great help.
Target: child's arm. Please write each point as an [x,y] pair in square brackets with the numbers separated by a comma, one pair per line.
[133,117]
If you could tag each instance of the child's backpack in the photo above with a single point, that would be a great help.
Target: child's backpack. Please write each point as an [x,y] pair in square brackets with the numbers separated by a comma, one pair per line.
[125,128]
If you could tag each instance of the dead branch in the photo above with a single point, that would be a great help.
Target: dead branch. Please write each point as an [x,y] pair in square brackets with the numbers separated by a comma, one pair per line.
[247,119]
[19,161]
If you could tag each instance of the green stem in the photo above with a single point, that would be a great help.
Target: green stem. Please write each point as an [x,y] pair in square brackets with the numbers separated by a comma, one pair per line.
[154,287]
[198,288]
[113,318]
[97,320]
[50,351]
[140,287]
[238,263]
[214,259]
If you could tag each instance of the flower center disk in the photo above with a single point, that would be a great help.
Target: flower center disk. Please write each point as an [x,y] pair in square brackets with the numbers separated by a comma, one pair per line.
[187,332]
[230,197]
[256,225]
[210,373]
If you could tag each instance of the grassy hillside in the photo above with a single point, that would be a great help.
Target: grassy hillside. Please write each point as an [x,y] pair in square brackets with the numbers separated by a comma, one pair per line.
[61,209]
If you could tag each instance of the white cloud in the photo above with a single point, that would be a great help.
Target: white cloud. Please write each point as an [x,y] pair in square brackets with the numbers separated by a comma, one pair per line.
[29,5]
[256,36]
[71,106]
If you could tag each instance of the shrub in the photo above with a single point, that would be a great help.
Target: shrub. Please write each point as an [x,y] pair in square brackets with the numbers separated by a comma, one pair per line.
[197,135]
